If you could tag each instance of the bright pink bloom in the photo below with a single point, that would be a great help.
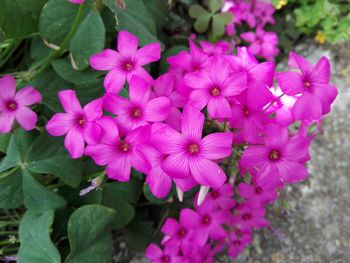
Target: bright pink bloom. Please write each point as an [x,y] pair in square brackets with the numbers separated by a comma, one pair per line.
[119,154]
[280,160]
[125,63]
[259,76]
[213,86]
[222,197]
[239,240]
[189,154]
[78,123]
[138,110]
[248,217]
[256,195]
[157,255]
[263,12]
[263,44]
[189,61]
[15,105]
[317,94]
[206,222]
[213,49]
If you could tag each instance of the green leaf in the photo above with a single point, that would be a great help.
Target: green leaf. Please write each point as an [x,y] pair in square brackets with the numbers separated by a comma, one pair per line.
[48,155]
[219,22]
[129,191]
[136,19]
[56,20]
[215,5]
[37,197]
[4,140]
[19,18]
[88,40]
[64,68]
[11,189]
[197,11]
[139,234]
[12,157]
[36,245]
[202,23]
[89,235]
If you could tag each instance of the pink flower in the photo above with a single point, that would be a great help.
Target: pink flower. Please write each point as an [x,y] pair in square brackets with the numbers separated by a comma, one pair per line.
[312,85]
[78,123]
[189,61]
[248,217]
[157,255]
[119,154]
[206,221]
[222,197]
[15,105]
[259,76]
[220,48]
[239,240]
[279,160]
[125,63]
[213,86]
[263,12]
[138,110]
[256,195]
[189,154]
[263,43]
[77,1]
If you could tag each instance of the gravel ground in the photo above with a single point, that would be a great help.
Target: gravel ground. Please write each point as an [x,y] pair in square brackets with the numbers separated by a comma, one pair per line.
[311,222]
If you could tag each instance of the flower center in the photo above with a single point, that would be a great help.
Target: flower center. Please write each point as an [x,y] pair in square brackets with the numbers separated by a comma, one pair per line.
[258,190]
[182,232]
[81,121]
[307,85]
[206,220]
[124,146]
[165,258]
[11,105]
[214,194]
[128,66]
[193,148]
[246,111]
[274,155]
[239,232]
[246,216]
[215,92]
[137,113]
[237,242]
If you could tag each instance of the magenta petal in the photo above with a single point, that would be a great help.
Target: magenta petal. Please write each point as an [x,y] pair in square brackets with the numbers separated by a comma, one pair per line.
[292,172]
[142,73]
[248,36]
[69,101]
[127,43]
[171,227]
[74,143]
[92,133]
[235,84]
[207,173]
[254,156]
[246,190]
[139,90]
[291,82]
[189,218]
[116,104]
[157,109]
[167,140]
[7,87]
[159,182]
[6,121]
[192,123]
[164,85]
[201,236]
[174,119]
[106,60]
[264,73]
[114,81]
[217,145]
[119,169]
[297,61]
[93,110]
[327,94]
[307,107]
[153,252]
[268,176]
[26,118]
[148,54]
[110,133]
[321,72]
[102,154]
[219,108]
[139,162]
[198,99]
[28,96]
[197,80]
[176,165]
[60,124]
[217,232]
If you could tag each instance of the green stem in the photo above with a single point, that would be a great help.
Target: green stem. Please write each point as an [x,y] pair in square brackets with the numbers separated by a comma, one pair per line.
[44,64]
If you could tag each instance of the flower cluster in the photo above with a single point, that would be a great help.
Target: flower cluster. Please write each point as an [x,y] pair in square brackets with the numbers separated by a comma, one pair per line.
[256,14]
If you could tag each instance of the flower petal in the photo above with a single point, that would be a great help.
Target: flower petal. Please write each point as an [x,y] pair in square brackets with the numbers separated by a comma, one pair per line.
[192,123]
[292,172]
[110,131]
[198,99]
[28,96]
[116,104]
[60,124]
[7,87]
[26,118]
[157,109]
[290,82]
[127,43]
[219,108]
[159,182]
[69,101]
[93,110]
[139,90]
[167,140]
[114,81]
[321,72]
[6,121]
[217,145]
[102,154]
[307,107]
[74,143]
[119,169]
[176,165]
[171,227]
[108,59]
[148,54]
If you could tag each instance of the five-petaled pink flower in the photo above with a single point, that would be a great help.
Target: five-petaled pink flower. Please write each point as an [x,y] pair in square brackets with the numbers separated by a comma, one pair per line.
[125,63]
[189,154]
[15,105]
[119,154]
[78,123]
[317,94]
[139,110]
